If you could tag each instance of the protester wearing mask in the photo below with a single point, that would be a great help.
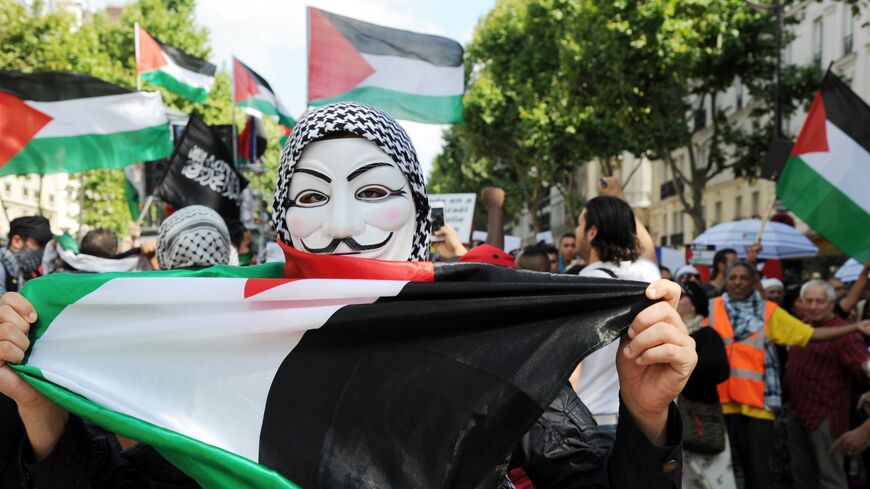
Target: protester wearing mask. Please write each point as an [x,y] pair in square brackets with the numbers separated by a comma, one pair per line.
[22,257]
[372,204]
[752,396]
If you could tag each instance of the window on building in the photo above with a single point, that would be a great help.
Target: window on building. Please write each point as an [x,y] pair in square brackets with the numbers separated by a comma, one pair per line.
[756,204]
[818,41]
[717,213]
[7,187]
[25,191]
[848,29]
[738,207]
[678,222]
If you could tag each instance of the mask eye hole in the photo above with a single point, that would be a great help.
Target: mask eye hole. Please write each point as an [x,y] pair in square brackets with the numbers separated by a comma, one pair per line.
[372,193]
[311,198]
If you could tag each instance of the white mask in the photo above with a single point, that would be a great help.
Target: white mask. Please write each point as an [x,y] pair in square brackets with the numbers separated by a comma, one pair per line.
[350,198]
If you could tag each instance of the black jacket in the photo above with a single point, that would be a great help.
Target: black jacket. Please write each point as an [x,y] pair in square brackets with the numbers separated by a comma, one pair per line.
[563,449]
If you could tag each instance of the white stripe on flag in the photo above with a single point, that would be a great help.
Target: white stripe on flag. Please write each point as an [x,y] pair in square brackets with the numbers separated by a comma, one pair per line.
[844,165]
[190,354]
[102,115]
[414,76]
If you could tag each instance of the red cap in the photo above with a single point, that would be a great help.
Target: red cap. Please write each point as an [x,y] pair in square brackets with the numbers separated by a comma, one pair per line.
[489,254]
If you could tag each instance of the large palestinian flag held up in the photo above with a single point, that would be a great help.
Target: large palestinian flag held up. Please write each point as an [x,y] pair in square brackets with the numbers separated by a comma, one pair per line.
[335,372]
[411,76]
[55,122]
[827,177]
[171,68]
[253,91]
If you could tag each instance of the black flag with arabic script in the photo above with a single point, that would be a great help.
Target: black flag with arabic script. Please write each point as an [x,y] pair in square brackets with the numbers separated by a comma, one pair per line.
[201,171]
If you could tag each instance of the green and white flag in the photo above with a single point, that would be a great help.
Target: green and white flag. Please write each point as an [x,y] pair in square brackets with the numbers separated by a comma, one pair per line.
[54,122]
[827,177]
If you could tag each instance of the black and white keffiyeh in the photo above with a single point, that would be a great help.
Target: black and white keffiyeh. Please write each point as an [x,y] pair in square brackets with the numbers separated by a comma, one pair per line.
[194,236]
[369,123]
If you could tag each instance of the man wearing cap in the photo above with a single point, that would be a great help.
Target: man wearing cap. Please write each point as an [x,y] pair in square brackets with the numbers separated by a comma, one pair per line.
[21,258]
[773,289]
[687,273]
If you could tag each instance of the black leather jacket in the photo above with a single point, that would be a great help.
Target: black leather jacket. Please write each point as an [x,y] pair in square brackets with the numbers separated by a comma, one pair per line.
[565,450]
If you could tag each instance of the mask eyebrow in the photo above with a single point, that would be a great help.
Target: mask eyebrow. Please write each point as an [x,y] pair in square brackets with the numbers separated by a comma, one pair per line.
[359,171]
[314,173]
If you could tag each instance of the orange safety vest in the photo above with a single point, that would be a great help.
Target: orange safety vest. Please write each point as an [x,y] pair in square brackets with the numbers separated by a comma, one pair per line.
[745,357]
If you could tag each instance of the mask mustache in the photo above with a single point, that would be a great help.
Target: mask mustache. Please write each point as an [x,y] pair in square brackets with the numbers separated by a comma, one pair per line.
[349,242]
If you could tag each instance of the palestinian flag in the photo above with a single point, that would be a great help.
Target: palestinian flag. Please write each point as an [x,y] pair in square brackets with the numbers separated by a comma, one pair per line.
[334,372]
[54,122]
[411,76]
[252,91]
[134,188]
[827,177]
[173,69]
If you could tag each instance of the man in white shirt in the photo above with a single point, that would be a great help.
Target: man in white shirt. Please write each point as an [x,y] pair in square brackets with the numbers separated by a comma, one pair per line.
[614,244]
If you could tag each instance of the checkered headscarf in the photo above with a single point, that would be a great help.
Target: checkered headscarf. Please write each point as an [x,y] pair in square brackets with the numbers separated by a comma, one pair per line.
[194,236]
[366,122]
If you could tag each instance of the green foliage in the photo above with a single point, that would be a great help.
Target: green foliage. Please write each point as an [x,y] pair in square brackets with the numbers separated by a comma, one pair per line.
[31,40]
[556,83]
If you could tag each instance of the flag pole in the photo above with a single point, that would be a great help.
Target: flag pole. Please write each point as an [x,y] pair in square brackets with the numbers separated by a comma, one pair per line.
[233,114]
[136,45]
[766,217]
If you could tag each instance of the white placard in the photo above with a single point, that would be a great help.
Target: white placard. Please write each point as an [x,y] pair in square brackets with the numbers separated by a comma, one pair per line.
[458,212]
[702,254]
[546,237]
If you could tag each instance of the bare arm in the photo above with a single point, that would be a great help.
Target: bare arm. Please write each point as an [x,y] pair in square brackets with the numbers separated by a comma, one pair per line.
[493,200]
[834,332]
[848,302]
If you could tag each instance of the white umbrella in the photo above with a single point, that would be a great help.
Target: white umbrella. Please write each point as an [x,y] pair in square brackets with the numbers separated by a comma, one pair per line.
[778,240]
[849,271]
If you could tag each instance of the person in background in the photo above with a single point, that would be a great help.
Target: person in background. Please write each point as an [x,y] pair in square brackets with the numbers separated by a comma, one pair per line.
[242,252]
[687,273]
[567,245]
[21,258]
[773,290]
[666,273]
[752,396]
[449,247]
[721,260]
[533,258]
[614,244]
[704,471]
[192,237]
[855,441]
[846,301]
[818,381]
[99,242]
[553,255]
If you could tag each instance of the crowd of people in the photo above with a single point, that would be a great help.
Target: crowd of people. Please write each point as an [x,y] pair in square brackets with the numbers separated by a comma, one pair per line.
[772,402]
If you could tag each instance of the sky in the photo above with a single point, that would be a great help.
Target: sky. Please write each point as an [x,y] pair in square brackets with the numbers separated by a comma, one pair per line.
[270,37]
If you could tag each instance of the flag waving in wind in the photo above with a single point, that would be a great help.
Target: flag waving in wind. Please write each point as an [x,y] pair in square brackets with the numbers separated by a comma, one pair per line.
[253,91]
[335,372]
[826,178]
[411,76]
[169,67]
[53,122]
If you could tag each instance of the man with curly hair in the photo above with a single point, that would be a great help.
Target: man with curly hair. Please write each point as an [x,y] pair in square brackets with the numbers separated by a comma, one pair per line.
[614,244]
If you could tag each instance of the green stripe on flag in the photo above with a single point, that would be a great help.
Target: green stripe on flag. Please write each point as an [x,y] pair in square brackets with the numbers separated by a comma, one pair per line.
[210,466]
[131,196]
[169,82]
[824,207]
[90,151]
[401,105]
[267,108]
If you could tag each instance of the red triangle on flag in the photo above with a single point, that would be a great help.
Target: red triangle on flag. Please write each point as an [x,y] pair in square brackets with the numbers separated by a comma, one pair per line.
[150,56]
[814,136]
[254,286]
[245,86]
[334,64]
[19,122]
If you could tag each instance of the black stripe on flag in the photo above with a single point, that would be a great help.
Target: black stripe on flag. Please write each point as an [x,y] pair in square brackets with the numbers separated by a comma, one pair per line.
[375,39]
[434,387]
[846,110]
[56,86]
[259,79]
[187,61]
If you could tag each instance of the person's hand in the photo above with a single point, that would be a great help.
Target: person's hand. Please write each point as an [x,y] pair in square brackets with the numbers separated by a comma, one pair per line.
[43,419]
[853,442]
[864,402]
[754,250]
[451,246]
[16,316]
[135,232]
[610,186]
[492,197]
[655,360]
[863,326]
[148,248]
